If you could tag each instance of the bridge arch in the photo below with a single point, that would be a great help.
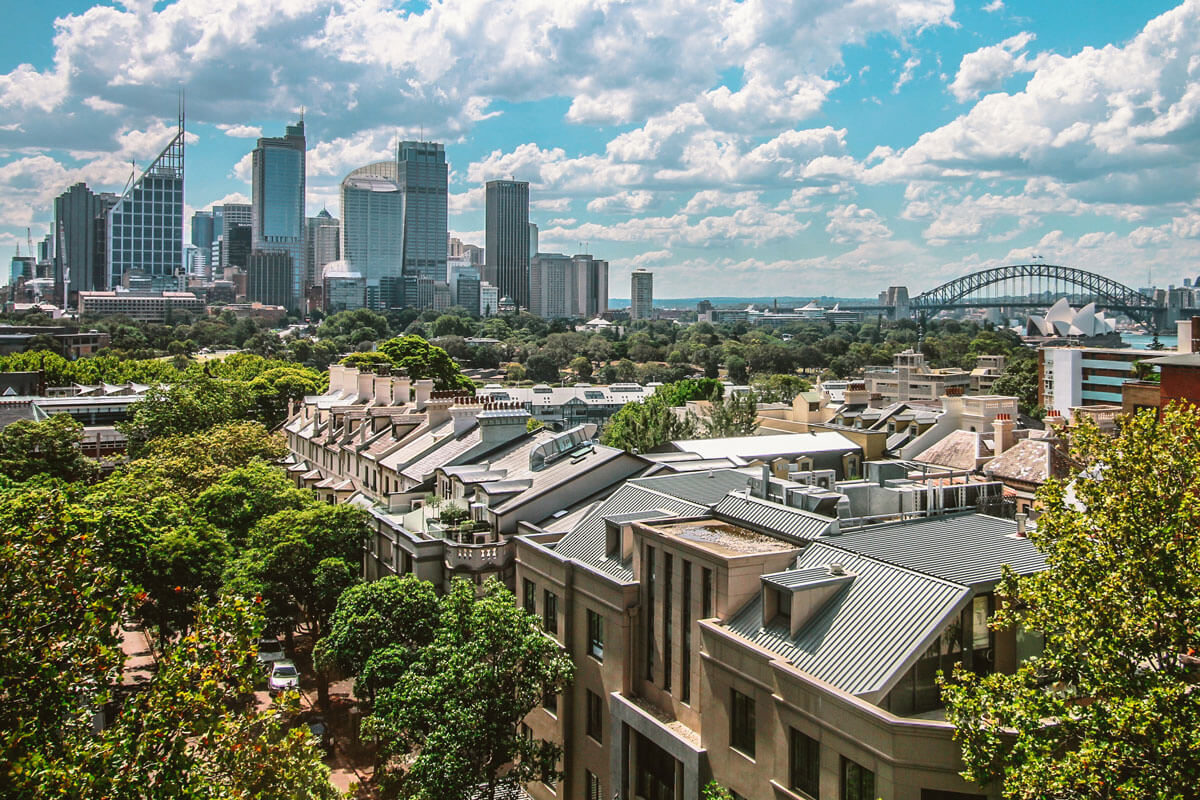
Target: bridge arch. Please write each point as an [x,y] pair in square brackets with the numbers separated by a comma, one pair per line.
[1105,292]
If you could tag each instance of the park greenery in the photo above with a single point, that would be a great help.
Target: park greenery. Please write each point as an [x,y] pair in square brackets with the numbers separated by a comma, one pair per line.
[1110,708]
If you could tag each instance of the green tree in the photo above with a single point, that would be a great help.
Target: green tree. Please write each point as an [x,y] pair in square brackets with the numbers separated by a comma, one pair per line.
[1020,380]
[422,360]
[451,325]
[390,619]
[541,368]
[779,388]
[582,367]
[736,415]
[738,369]
[452,722]
[680,392]
[1109,708]
[49,447]
[369,360]
[246,495]
[188,406]
[643,426]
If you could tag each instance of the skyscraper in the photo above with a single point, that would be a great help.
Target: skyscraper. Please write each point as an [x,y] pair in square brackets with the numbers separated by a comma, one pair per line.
[422,181]
[562,286]
[507,239]
[641,304]
[234,218]
[277,205]
[322,245]
[202,239]
[79,236]
[589,285]
[145,226]
[269,277]
[373,231]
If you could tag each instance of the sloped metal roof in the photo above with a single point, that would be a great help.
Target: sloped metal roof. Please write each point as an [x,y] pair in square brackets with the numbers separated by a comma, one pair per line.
[967,548]
[772,517]
[863,637]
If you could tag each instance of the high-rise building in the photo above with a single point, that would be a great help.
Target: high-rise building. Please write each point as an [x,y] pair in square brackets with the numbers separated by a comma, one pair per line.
[422,181]
[79,255]
[533,241]
[567,286]
[373,228]
[548,279]
[641,302]
[145,226]
[322,245]
[269,278]
[475,254]
[466,293]
[507,239]
[233,216]
[489,299]
[203,235]
[277,205]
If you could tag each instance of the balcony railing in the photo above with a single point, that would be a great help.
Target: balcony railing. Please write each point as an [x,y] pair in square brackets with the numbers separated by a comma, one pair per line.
[479,557]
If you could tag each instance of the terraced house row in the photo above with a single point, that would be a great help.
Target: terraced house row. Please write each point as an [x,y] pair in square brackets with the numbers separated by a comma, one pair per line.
[776,628]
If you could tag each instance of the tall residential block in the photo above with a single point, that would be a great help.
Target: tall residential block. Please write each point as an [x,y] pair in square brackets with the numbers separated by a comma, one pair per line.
[277,204]
[641,297]
[235,223]
[322,245]
[203,235]
[373,230]
[567,286]
[145,226]
[422,181]
[507,239]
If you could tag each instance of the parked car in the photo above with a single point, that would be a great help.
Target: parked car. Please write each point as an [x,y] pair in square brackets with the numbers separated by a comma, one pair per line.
[322,737]
[270,651]
[284,677]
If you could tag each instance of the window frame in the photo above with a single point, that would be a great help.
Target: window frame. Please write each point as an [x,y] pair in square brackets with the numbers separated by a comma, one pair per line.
[594,717]
[742,723]
[804,768]
[549,612]
[595,634]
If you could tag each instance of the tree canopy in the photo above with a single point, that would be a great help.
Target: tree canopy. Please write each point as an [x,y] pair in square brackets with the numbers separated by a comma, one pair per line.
[420,360]
[48,447]
[1110,707]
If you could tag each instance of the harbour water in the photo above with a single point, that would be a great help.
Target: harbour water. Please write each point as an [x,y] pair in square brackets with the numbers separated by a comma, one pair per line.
[1142,341]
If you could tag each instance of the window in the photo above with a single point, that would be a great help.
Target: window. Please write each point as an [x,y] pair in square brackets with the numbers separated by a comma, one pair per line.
[804,764]
[706,593]
[595,631]
[685,655]
[595,716]
[530,596]
[649,565]
[858,782]
[550,702]
[783,601]
[741,723]
[593,786]
[668,643]
[550,611]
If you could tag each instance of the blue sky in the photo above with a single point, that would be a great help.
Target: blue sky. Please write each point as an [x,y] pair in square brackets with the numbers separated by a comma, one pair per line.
[735,148]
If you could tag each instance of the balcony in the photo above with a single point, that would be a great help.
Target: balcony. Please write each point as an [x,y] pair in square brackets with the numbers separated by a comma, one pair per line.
[479,557]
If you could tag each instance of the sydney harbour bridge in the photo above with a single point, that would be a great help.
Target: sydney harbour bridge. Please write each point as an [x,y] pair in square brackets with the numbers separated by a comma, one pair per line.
[1022,286]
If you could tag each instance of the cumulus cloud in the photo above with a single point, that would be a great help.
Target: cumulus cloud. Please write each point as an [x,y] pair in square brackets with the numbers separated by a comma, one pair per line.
[241,131]
[987,68]
[851,224]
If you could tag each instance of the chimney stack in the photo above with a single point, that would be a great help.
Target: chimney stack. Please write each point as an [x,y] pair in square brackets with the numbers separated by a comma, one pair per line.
[335,377]
[382,391]
[424,392]
[366,386]
[1021,519]
[349,381]
[401,390]
[1002,429]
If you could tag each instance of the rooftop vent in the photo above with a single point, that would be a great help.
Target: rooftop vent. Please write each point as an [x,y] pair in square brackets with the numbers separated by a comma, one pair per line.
[837,569]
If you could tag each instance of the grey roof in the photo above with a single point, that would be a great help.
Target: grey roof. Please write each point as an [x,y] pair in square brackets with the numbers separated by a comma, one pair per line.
[689,495]
[1177,360]
[967,548]
[423,468]
[868,632]
[805,578]
[772,517]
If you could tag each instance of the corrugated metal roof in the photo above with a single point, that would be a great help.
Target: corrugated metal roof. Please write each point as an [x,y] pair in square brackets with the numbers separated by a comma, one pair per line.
[967,548]
[770,517]
[753,447]
[707,488]
[868,632]
[423,468]
[807,578]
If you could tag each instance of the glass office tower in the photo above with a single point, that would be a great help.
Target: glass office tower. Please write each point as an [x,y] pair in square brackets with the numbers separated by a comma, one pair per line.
[277,205]
[373,230]
[422,180]
[508,239]
[145,230]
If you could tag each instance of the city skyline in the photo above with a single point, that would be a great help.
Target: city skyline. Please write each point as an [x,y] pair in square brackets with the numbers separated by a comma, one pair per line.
[907,146]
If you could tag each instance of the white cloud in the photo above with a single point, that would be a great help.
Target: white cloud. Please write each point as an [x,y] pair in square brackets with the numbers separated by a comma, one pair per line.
[987,68]
[851,224]
[241,131]
[634,202]
[994,6]
[906,73]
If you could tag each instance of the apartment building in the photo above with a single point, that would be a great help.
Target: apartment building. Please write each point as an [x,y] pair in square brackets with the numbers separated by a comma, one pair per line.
[910,378]
[721,635]
[1085,376]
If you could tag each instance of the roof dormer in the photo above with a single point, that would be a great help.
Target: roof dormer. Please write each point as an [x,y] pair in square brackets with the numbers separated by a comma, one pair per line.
[798,595]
